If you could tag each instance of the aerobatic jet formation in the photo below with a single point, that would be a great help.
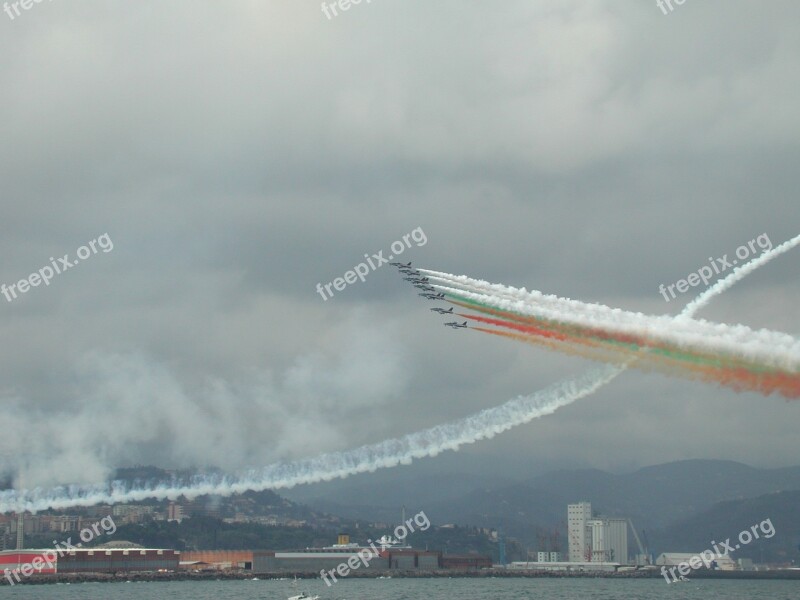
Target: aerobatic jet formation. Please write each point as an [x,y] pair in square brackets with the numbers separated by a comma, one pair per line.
[429,293]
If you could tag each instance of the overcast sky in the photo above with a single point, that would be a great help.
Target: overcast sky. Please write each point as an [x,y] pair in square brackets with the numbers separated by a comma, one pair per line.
[238,153]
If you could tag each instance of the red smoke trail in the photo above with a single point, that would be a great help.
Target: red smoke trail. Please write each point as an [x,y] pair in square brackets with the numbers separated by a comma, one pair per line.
[737,379]
[600,354]
[733,377]
[603,338]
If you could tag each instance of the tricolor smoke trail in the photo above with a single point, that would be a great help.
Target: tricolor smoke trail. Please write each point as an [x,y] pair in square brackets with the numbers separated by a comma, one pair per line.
[430,442]
[731,355]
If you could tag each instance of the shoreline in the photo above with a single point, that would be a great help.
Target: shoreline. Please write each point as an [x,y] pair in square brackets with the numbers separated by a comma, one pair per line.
[74,578]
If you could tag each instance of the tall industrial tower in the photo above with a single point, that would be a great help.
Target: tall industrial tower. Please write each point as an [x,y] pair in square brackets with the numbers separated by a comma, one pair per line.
[20,530]
[578,515]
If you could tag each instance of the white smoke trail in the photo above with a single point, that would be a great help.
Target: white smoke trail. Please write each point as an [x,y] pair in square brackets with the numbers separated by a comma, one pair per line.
[430,442]
[522,294]
[767,347]
[738,273]
[553,307]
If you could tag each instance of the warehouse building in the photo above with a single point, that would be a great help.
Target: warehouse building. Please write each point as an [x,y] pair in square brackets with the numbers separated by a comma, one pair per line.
[384,554]
[674,559]
[410,560]
[466,562]
[316,560]
[118,557]
[15,564]
[217,559]
[569,567]
[113,560]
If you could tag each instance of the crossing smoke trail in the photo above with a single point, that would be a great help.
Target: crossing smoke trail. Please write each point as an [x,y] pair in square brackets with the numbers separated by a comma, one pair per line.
[730,355]
[430,442]
[738,273]
[737,362]
[390,453]
[737,341]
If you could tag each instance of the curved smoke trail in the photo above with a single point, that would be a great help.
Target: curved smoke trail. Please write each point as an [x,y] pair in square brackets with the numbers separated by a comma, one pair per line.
[430,442]
[738,273]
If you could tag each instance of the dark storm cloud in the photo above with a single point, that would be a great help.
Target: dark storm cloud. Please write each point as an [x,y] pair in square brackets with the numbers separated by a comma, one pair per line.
[240,153]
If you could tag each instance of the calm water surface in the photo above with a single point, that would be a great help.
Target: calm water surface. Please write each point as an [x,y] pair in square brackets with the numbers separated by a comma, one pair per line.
[417,589]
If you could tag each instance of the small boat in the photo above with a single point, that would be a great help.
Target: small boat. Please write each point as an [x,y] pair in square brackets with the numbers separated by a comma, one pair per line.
[301,595]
